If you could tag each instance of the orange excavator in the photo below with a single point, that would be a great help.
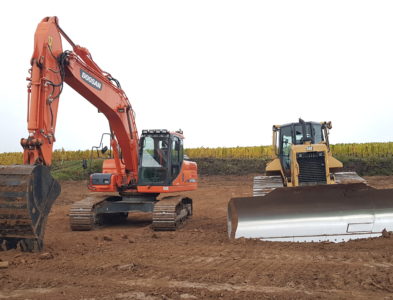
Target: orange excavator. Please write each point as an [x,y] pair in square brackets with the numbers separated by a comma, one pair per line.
[140,169]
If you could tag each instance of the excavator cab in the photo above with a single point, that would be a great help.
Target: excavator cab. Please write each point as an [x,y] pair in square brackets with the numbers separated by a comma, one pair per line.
[161,157]
[160,166]
[28,191]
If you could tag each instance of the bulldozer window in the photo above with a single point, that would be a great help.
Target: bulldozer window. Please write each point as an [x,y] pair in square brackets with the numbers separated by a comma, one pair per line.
[299,138]
[313,133]
[317,133]
[285,145]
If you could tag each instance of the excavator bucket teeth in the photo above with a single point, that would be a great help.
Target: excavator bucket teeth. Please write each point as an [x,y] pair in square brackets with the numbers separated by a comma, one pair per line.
[26,196]
[333,213]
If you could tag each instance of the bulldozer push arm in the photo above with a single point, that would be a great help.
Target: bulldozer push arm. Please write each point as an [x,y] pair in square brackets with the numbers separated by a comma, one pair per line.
[28,191]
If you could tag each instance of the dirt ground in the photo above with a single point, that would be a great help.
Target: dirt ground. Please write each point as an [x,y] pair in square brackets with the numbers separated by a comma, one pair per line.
[197,262]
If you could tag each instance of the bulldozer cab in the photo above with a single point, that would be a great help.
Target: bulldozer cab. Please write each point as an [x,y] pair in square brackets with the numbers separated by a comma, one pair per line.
[160,157]
[302,154]
[300,133]
[305,197]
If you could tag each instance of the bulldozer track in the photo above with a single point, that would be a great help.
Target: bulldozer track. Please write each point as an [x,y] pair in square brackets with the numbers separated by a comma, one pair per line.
[82,214]
[348,177]
[170,213]
[265,184]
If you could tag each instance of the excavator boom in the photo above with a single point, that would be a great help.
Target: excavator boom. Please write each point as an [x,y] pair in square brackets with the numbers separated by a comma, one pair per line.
[28,191]
[51,68]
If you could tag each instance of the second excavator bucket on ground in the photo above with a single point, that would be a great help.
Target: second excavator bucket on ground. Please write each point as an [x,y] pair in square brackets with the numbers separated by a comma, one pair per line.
[333,213]
[26,196]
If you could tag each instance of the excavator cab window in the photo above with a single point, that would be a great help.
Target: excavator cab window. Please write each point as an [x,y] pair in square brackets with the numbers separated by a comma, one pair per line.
[176,156]
[154,159]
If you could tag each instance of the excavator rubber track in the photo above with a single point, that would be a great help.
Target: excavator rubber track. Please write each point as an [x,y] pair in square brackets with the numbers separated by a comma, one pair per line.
[83,216]
[171,212]
[27,193]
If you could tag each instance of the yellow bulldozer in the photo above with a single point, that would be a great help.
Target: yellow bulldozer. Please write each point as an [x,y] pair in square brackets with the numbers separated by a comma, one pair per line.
[303,196]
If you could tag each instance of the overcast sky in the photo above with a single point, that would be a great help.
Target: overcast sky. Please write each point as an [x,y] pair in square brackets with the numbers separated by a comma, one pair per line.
[223,71]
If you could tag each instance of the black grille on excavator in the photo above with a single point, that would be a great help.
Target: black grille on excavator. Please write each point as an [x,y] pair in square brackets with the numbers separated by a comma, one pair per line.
[312,168]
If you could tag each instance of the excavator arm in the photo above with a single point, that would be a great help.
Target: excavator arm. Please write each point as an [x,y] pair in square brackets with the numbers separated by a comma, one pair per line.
[28,191]
[51,68]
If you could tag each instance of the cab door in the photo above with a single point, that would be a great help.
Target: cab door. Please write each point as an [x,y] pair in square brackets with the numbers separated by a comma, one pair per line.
[176,156]
[286,141]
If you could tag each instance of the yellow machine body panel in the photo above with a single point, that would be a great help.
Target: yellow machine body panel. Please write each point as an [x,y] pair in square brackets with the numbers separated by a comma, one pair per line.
[304,197]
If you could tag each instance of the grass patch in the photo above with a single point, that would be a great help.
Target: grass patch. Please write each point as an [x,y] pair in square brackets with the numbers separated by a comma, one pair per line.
[230,166]
[368,166]
[73,170]
[233,166]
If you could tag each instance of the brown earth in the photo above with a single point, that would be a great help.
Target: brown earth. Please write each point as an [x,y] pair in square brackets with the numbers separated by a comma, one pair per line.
[197,262]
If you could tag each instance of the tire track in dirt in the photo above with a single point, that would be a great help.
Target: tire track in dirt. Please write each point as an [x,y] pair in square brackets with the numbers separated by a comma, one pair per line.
[292,270]
[196,261]
[24,294]
[247,288]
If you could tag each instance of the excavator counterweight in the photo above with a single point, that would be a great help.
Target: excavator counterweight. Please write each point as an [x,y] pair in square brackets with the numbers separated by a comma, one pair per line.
[139,169]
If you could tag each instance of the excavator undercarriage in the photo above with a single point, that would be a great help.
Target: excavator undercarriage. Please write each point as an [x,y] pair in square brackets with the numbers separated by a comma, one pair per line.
[137,171]
[169,213]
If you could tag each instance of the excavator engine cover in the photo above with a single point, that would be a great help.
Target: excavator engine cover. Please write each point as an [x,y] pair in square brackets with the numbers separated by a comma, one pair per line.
[27,193]
[333,213]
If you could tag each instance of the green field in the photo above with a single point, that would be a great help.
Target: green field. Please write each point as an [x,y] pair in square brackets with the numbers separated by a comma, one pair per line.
[366,159]
[364,150]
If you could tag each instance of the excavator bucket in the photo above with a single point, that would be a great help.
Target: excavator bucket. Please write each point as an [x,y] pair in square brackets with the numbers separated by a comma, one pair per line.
[27,193]
[333,213]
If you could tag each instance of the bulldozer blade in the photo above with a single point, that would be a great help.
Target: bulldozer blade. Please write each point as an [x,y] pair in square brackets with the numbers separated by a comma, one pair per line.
[333,213]
[27,193]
